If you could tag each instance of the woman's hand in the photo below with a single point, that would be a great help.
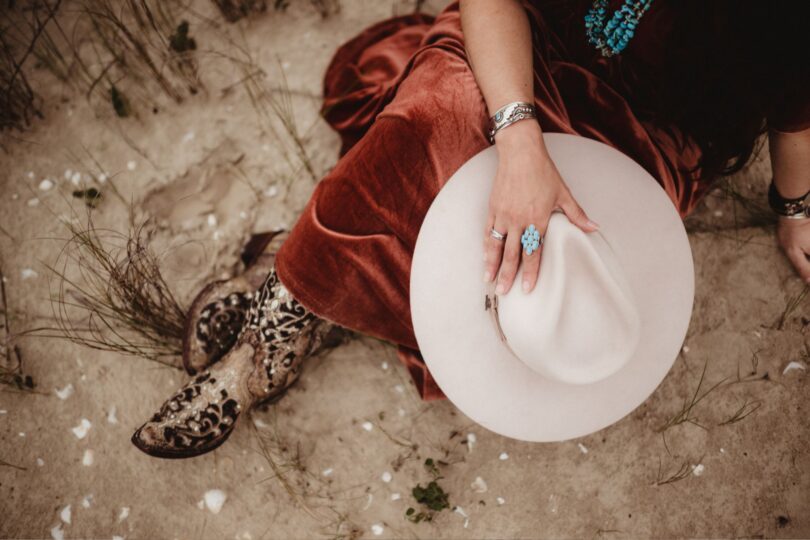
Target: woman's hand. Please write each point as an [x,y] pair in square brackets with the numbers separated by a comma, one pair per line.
[794,238]
[526,190]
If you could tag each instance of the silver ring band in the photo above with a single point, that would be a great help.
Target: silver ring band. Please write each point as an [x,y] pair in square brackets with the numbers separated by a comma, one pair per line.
[496,235]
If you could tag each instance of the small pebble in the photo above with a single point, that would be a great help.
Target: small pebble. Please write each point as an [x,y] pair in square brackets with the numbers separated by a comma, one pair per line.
[31,175]
[45,185]
[327,472]
[212,220]
[32,202]
[102,178]
[399,388]
[685,349]
[87,459]
[377,529]
[76,179]
[28,273]
[368,426]
[504,456]
[21,434]
[384,365]
[386,477]
[500,500]
[68,174]
[698,469]
[272,191]
[111,418]
[470,441]
[395,496]
[479,485]
[124,514]
[87,501]
[40,462]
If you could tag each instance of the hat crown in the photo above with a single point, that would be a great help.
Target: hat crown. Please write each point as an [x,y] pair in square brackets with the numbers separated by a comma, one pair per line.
[580,324]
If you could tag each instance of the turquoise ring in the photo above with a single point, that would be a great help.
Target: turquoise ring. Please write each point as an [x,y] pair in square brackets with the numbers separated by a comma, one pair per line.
[531,239]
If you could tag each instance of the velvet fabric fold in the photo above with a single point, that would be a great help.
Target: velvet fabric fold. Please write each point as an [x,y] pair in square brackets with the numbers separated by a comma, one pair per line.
[403,98]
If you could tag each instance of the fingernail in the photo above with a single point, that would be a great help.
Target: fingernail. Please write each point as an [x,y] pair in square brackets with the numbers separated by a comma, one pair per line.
[525,286]
[593,224]
[486,276]
[501,288]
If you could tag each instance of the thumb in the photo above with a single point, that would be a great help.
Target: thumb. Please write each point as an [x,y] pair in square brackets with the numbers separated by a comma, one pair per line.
[576,214]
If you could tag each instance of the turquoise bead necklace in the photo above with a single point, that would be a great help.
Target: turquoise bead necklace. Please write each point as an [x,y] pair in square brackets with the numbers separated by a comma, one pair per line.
[612,38]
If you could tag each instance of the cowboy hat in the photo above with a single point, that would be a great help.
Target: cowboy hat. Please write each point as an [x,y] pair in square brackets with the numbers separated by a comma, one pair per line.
[601,328]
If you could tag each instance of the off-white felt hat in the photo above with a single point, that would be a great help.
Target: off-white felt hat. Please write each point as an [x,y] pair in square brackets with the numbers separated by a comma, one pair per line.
[601,328]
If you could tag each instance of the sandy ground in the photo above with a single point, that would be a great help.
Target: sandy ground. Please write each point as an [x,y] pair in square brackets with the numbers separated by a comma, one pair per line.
[355,415]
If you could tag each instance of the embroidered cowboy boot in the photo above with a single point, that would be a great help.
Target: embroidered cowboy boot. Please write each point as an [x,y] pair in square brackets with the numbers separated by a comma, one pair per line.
[277,334]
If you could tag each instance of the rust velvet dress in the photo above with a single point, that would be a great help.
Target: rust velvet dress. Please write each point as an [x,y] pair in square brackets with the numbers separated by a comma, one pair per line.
[404,100]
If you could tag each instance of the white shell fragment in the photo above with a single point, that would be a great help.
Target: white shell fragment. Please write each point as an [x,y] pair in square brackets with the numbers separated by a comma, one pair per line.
[87,501]
[28,273]
[386,477]
[40,462]
[698,469]
[395,496]
[87,459]
[33,202]
[81,430]
[111,418]
[57,533]
[64,515]
[214,499]
[582,448]
[131,165]
[504,456]
[65,392]
[45,185]
[460,510]
[500,500]
[124,514]
[212,220]
[327,472]
[272,191]
[368,426]
[377,529]
[793,365]
[479,485]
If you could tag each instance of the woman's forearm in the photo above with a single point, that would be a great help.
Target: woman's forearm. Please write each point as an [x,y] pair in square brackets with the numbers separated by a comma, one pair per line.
[790,161]
[497,37]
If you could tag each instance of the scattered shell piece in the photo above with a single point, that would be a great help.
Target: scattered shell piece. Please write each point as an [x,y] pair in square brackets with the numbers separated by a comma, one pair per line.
[582,448]
[111,418]
[368,426]
[500,500]
[386,477]
[470,441]
[504,456]
[102,178]
[395,496]
[87,501]
[793,365]
[217,234]
[57,533]
[33,202]
[399,388]
[327,472]
[131,165]
[384,365]
[377,529]
[124,514]
[368,501]
[460,510]
[65,392]
[212,220]
[81,430]
[68,174]
[28,273]
[87,459]
[758,333]
[552,503]
[479,485]
[3,411]
[259,423]
[64,515]
[272,191]
[698,469]
[40,462]
[188,137]
[685,349]
[76,179]
[214,499]
[45,185]
[15,196]
[722,450]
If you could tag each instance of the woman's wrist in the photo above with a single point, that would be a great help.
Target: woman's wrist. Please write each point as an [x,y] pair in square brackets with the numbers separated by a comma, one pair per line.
[520,135]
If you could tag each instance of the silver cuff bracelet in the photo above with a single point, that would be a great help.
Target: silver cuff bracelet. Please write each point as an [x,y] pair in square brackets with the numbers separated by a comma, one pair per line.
[509,114]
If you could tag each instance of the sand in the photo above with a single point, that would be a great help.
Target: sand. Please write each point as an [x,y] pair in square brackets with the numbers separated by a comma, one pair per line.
[339,455]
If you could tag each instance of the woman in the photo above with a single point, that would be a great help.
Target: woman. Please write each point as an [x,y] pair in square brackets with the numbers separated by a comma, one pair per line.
[412,98]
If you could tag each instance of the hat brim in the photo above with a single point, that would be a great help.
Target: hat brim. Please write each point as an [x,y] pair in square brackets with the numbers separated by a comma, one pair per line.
[455,334]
